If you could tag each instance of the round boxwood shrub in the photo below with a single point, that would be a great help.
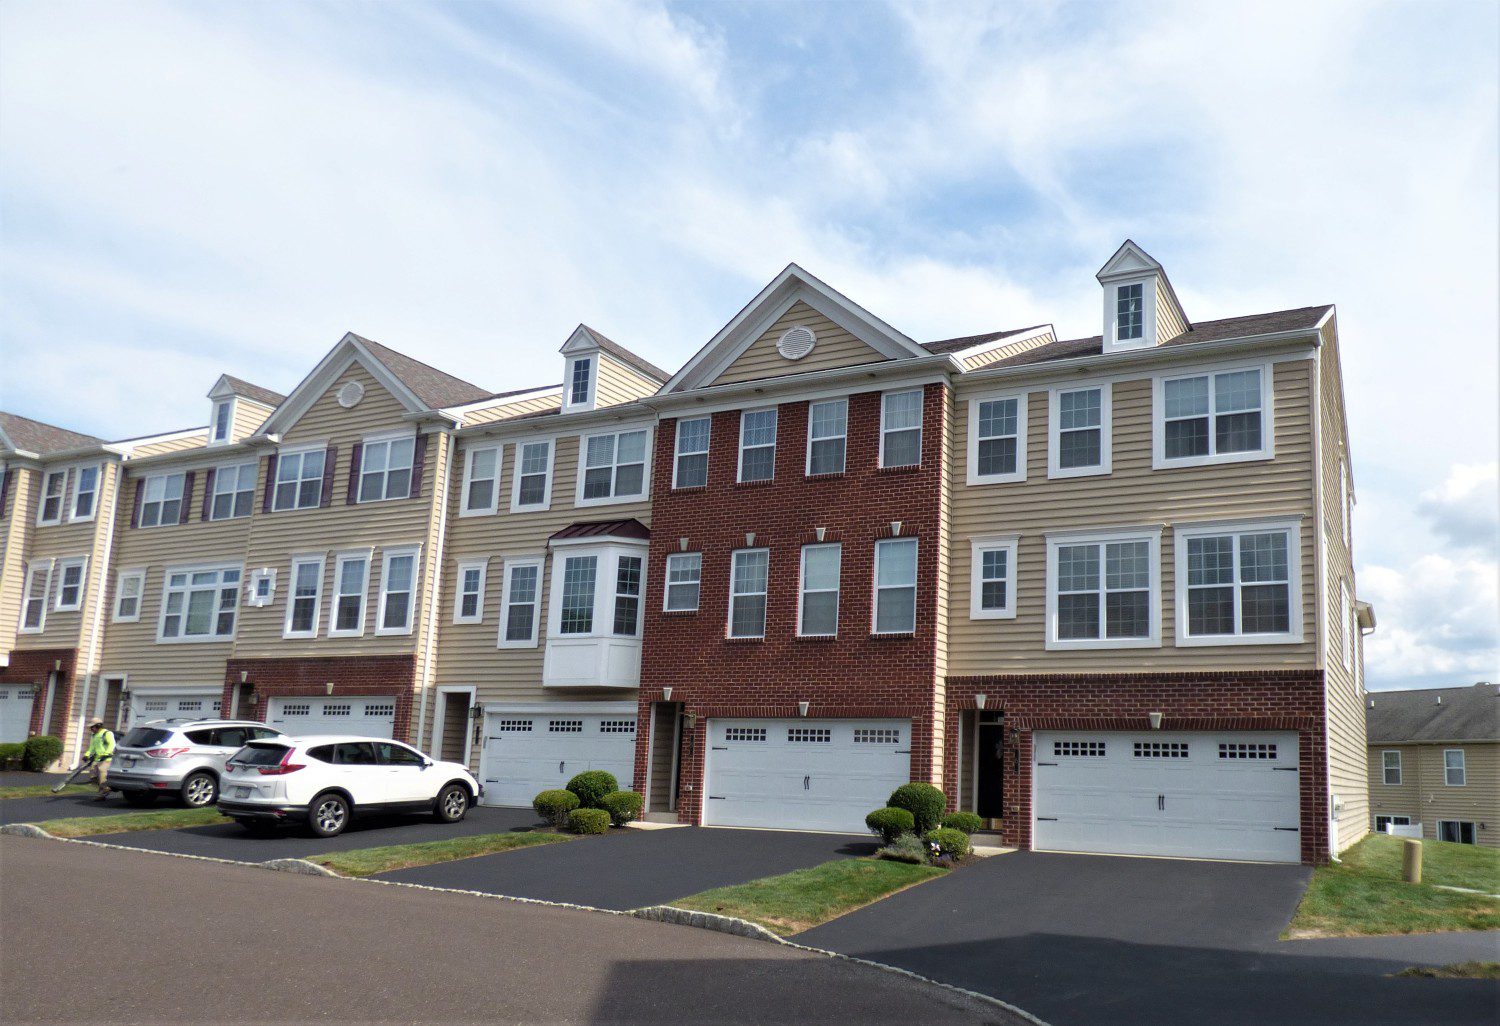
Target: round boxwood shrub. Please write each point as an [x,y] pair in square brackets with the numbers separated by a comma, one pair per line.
[623,806]
[554,806]
[591,785]
[588,821]
[965,821]
[890,823]
[954,844]
[12,755]
[925,803]
[42,751]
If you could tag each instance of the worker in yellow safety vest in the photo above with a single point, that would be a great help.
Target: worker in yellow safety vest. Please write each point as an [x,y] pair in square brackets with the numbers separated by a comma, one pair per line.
[101,751]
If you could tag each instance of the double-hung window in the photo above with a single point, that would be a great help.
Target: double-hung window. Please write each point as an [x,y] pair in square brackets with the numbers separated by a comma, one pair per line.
[581,382]
[757,445]
[385,469]
[518,613]
[827,436]
[468,600]
[304,597]
[233,491]
[1238,583]
[901,428]
[1104,591]
[580,576]
[34,599]
[85,493]
[533,479]
[1130,311]
[818,612]
[129,587]
[299,479]
[1348,626]
[223,420]
[1218,417]
[684,577]
[50,509]
[748,576]
[161,500]
[690,465]
[398,580]
[199,604]
[1079,426]
[1455,773]
[1390,767]
[71,573]
[351,575]
[614,467]
[997,439]
[992,594]
[628,596]
[481,480]
[896,586]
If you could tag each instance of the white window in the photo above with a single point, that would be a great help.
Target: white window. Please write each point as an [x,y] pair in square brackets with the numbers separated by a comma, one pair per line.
[162,500]
[581,382]
[351,575]
[1130,311]
[748,576]
[1218,417]
[818,611]
[684,576]
[233,491]
[896,586]
[1455,831]
[1238,584]
[261,590]
[85,493]
[1346,629]
[997,439]
[1344,510]
[199,603]
[71,573]
[690,466]
[482,480]
[757,445]
[1103,591]
[518,612]
[1079,432]
[580,576]
[304,597]
[628,596]
[468,600]
[992,591]
[1381,822]
[129,587]
[1390,766]
[1454,772]
[532,489]
[222,421]
[385,469]
[827,436]
[398,578]
[50,510]
[614,468]
[901,429]
[299,479]
[34,603]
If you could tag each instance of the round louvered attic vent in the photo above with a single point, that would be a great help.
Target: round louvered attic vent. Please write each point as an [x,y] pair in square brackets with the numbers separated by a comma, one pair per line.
[350,394]
[796,343]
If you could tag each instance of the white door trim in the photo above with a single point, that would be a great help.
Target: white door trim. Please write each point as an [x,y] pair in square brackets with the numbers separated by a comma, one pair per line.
[439,708]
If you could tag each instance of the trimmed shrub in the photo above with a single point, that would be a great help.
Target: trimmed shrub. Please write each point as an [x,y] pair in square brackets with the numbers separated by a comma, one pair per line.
[12,755]
[890,823]
[965,821]
[42,751]
[588,821]
[554,806]
[906,848]
[623,806]
[591,785]
[954,844]
[925,803]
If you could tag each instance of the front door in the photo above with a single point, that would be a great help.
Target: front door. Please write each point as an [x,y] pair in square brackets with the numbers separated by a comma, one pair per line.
[989,800]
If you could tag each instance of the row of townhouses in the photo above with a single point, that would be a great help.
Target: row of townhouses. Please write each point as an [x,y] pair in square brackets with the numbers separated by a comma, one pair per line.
[1099,590]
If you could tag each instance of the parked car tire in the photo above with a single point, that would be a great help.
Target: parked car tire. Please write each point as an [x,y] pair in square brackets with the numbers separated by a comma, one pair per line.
[452,804]
[140,799]
[200,790]
[328,814]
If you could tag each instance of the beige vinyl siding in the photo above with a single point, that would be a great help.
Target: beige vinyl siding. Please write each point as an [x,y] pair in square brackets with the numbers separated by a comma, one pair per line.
[194,441]
[942,613]
[1004,352]
[15,532]
[1169,322]
[835,348]
[249,415]
[504,411]
[620,383]
[63,541]
[1424,794]
[1133,495]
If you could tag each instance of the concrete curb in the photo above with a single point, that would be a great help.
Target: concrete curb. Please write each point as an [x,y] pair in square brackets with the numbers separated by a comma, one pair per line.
[302,866]
[27,830]
[706,921]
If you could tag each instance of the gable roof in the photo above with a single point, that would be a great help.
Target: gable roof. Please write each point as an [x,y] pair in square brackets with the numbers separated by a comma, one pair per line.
[239,386]
[438,389]
[1433,714]
[22,434]
[625,356]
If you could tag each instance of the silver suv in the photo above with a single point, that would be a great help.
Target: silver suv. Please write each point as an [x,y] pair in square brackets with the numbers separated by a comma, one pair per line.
[181,758]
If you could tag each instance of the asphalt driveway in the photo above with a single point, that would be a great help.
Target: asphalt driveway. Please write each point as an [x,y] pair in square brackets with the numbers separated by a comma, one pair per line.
[62,806]
[1081,939]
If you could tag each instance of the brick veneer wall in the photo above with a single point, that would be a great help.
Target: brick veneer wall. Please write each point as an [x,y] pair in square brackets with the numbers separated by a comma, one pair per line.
[33,666]
[1239,700]
[856,674]
[308,677]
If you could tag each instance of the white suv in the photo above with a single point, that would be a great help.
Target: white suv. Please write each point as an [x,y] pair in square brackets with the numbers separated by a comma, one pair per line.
[327,781]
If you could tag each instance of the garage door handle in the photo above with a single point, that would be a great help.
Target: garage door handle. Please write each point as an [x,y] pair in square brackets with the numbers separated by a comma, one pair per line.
[806,783]
[1285,769]
[1046,819]
[1046,764]
[1293,830]
[716,797]
[560,767]
[1161,803]
[720,748]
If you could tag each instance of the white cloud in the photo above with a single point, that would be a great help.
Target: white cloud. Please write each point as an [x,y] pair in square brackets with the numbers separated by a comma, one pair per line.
[1437,622]
[1463,510]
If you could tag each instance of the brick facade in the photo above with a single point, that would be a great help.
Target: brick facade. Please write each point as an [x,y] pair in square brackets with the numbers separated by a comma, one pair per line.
[308,677]
[34,666]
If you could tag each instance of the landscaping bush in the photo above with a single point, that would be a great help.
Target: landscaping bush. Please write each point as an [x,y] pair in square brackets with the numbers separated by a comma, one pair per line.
[953,844]
[890,823]
[925,803]
[42,751]
[554,806]
[965,821]
[623,806]
[11,755]
[906,848]
[592,785]
[588,821]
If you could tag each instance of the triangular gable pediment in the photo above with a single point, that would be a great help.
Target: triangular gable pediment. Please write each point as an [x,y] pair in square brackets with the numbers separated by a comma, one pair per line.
[1129,259]
[581,341]
[348,353]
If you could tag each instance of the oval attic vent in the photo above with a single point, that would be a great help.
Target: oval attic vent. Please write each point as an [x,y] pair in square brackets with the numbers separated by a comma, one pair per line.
[796,343]
[350,394]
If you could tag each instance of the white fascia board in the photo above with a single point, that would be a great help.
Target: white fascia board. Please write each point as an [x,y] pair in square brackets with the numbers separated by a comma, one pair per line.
[580,341]
[1129,260]
[559,425]
[1005,340]
[837,381]
[458,412]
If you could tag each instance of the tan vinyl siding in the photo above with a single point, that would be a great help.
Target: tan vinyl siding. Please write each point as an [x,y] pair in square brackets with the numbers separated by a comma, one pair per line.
[1424,794]
[835,348]
[620,383]
[1169,322]
[248,417]
[1004,352]
[194,441]
[1133,495]
[15,532]
[504,411]
[942,614]
[68,539]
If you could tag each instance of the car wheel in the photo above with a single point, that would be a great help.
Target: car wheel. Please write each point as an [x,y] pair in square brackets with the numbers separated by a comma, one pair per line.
[199,790]
[328,814]
[140,799]
[452,804]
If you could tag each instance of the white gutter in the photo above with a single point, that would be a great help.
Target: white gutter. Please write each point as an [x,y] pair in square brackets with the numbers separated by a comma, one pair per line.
[435,606]
[96,640]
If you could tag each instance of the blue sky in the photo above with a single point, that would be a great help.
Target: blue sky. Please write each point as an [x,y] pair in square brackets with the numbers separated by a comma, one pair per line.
[192,189]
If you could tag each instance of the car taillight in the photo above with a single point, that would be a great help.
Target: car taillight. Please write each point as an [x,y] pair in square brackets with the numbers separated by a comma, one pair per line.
[164,753]
[280,770]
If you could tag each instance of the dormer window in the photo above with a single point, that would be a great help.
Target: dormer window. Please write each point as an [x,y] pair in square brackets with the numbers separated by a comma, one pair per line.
[1130,311]
[222,420]
[581,382]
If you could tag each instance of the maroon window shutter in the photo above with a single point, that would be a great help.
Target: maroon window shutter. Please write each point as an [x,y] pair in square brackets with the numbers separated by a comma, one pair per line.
[187,497]
[208,493]
[356,459]
[4,488]
[330,457]
[418,458]
[135,510]
[265,501]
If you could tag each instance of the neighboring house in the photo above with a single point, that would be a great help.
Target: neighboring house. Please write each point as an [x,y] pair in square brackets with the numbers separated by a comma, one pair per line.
[1435,762]
[1099,590]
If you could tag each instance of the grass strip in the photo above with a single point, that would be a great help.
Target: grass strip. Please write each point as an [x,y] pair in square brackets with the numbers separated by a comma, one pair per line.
[804,898]
[1364,895]
[41,790]
[1457,971]
[369,861]
[87,826]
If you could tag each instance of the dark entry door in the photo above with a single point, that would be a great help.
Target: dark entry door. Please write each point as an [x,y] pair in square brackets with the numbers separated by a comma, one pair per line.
[989,800]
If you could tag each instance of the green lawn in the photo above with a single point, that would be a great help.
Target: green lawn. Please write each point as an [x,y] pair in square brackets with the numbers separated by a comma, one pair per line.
[41,790]
[84,826]
[1365,895]
[804,898]
[1457,971]
[369,861]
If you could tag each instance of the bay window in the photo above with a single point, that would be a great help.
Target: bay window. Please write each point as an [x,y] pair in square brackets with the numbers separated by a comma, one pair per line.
[594,618]
[628,597]
[579,576]
[1103,591]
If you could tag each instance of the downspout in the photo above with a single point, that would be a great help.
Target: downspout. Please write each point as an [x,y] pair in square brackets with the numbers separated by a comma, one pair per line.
[430,642]
[96,639]
[1320,555]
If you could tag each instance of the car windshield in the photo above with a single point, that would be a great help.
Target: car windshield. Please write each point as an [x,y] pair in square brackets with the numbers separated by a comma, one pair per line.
[260,755]
[145,737]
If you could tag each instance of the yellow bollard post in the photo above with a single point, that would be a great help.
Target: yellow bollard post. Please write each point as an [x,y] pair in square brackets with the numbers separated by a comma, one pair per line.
[1411,860]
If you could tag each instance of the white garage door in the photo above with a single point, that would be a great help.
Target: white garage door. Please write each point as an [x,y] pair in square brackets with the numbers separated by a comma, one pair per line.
[15,714]
[306,717]
[187,705]
[1186,794]
[804,774]
[525,753]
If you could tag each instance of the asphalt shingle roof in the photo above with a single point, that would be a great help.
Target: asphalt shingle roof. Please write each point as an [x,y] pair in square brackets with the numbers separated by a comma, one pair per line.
[264,396]
[625,356]
[957,345]
[29,435]
[437,389]
[1464,714]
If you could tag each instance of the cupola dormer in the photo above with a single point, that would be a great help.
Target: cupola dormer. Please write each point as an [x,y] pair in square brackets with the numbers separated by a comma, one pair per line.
[1140,307]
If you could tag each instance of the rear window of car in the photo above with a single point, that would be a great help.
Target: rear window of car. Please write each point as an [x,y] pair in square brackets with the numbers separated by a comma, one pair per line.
[323,753]
[260,755]
[145,737]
